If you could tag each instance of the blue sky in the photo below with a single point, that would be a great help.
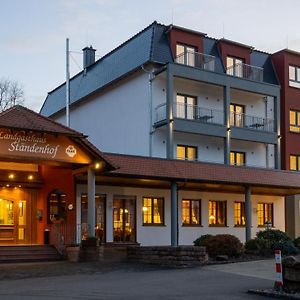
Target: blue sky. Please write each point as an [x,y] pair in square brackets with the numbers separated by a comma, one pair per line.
[33,32]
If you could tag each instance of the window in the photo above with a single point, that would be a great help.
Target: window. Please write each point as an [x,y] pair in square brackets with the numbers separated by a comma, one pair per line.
[294,76]
[237,115]
[295,121]
[153,211]
[186,152]
[264,213]
[234,66]
[56,206]
[185,55]
[186,107]
[191,212]
[217,213]
[239,214]
[295,162]
[6,212]
[100,204]
[237,158]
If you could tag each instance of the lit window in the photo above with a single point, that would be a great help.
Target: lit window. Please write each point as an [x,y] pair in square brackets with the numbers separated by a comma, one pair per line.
[294,121]
[56,207]
[153,211]
[237,158]
[217,213]
[191,211]
[186,107]
[239,214]
[6,212]
[265,214]
[185,55]
[186,152]
[294,76]
[237,115]
[234,66]
[295,162]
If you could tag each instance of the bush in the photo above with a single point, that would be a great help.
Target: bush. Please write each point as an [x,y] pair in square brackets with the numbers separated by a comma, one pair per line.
[272,236]
[200,241]
[224,244]
[297,242]
[258,246]
[286,247]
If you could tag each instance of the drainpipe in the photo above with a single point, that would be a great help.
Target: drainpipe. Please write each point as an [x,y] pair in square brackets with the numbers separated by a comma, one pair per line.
[267,145]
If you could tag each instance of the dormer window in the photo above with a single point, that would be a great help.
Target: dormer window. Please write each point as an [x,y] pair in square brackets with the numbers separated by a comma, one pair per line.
[234,66]
[186,55]
[294,76]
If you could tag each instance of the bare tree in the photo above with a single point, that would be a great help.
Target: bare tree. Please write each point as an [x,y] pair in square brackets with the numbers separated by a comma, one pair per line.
[11,93]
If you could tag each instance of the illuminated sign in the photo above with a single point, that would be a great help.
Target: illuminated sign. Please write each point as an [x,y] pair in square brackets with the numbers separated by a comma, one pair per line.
[40,146]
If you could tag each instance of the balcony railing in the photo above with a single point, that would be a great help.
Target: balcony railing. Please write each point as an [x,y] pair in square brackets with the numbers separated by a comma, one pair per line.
[246,71]
[251,122]
[191,112]
[197,60]
[200,114]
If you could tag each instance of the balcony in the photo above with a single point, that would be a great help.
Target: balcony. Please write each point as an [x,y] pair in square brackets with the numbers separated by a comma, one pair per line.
[197,60]
[213,116]
[191,112]
[246,71]
[251,122]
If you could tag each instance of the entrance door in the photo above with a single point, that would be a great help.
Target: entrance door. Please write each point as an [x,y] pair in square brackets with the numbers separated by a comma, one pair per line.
[124,219]
[14,221]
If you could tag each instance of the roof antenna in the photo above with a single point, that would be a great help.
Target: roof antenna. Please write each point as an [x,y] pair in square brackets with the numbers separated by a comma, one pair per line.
[223,29]
[172,16]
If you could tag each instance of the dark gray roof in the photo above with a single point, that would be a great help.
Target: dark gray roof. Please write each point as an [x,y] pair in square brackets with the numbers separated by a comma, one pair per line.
[148,45]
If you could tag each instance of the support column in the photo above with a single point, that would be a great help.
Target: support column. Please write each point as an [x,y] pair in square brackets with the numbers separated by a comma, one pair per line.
[226,107]
[174,215]
[248,211]
[170,114]
[277,129]
[91,202]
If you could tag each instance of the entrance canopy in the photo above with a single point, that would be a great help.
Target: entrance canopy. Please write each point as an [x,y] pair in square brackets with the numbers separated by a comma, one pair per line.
[26,136]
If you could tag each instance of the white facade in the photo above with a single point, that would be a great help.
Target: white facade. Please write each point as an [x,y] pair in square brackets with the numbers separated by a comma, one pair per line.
[161,235]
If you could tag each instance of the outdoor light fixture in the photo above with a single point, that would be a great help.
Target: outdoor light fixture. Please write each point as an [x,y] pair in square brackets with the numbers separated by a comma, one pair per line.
[7,185]
[97,165]
[279,136]
[30,177]
[145,208]
[11,176]
[228,129]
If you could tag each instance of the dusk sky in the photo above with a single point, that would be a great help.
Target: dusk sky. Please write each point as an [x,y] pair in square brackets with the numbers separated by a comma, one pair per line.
[33,32]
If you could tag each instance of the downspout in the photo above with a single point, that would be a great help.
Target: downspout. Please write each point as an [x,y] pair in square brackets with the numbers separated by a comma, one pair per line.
[267,145]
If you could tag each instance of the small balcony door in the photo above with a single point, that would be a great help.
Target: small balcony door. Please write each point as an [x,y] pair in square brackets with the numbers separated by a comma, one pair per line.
[237,115]
[186,55]
[186,107]
[124,219]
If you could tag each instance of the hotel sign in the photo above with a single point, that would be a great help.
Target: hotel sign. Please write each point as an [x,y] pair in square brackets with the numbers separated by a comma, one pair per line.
[22,144]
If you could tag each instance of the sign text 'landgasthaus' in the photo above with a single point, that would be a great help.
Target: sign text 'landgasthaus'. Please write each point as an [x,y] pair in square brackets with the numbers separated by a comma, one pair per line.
[40,146]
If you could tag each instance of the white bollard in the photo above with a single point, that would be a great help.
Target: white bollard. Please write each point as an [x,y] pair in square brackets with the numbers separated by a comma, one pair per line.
[279,279]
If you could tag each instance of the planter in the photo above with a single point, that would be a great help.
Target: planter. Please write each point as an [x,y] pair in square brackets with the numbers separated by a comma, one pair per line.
[73,253]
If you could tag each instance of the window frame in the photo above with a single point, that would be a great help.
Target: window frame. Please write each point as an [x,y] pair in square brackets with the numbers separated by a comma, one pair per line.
[297,162]
[233,115]
[190,224]
[235,158]
[235,72]
[242,214]
[186,147]
[61,209]
[297,78]
[265,205]
[195,106]
[162,223]
[185,54]
[218,202]
[297,121]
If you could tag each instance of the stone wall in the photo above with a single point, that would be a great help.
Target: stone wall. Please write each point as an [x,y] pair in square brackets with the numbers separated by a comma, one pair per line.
[181,256]
[291,273]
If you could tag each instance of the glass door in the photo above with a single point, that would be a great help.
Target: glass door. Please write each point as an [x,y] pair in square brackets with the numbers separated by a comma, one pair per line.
[124,221]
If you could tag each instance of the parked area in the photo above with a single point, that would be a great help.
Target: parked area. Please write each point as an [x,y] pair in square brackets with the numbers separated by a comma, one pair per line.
[104,280]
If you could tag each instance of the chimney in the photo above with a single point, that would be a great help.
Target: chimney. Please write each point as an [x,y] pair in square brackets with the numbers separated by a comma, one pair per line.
[88,56]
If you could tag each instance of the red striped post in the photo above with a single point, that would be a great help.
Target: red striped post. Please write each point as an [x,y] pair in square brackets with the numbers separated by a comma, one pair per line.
[278,280]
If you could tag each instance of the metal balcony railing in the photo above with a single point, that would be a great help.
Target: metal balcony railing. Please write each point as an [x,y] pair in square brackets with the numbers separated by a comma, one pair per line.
[251,122]
[197,60]
[190,112]
[246,71]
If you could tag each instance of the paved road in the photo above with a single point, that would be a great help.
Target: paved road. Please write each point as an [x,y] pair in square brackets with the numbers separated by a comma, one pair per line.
[138,283]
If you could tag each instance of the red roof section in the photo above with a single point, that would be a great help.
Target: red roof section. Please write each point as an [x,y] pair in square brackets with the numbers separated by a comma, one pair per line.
[137,166]
[20,117]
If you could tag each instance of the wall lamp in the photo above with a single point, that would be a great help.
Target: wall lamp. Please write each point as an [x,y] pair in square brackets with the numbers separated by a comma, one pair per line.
[228,129]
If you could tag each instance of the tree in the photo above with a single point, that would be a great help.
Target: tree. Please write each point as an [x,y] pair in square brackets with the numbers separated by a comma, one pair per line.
[11,93]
